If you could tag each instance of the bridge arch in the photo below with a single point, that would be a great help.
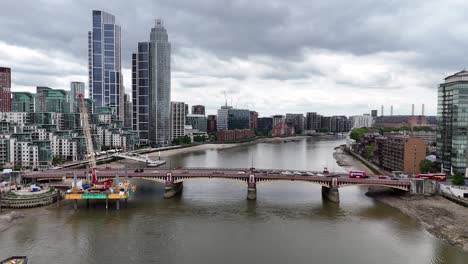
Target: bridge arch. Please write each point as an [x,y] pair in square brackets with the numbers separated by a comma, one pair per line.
[265,181]
[403,188]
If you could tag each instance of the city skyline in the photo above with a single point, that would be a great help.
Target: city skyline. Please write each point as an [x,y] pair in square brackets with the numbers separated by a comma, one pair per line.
[331,76]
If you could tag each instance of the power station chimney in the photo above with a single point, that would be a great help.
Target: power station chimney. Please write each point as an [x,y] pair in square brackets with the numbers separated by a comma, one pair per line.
[381,111]
[391,110]
[422,110]
[412,109]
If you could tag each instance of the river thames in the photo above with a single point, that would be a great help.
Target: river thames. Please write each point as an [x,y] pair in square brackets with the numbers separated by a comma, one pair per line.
[212,222]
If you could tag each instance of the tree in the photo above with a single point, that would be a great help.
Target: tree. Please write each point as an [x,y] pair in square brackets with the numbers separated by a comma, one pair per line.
[357,133]
[426,166]
[199,138]
[369,152]
[458,179]
[57,160]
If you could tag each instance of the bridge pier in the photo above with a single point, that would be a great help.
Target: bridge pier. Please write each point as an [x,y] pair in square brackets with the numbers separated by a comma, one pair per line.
[331,194]
[252,193]
[172,189]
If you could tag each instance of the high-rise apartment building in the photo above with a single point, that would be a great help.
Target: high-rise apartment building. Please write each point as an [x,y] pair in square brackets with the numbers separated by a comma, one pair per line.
[452,134]
[296,121]
[211,124]
[76,88]
[313,121]
[151,87]
[128,111]
[104,58]
[198,110]
[178,116]
[5,89]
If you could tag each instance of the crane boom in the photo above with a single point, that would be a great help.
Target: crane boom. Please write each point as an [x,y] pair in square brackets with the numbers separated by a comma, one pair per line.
[88,139]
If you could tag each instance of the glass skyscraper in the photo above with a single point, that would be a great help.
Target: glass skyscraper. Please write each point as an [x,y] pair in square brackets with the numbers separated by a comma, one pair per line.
[105,69]
[452,132]
[151,88]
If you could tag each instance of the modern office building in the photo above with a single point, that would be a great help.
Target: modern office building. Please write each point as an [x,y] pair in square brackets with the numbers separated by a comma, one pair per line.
[253,120]
[41,94]
[198,110]
[104,58]
[151,87]
[54,100]
[5,89]
[23,102]
[76,88]
[452,132]
[197,122]
[265,125]
[230,118]
[178,119]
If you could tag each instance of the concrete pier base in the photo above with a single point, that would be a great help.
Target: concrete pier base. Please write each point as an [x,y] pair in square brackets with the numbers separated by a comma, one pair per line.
[331,194]
[172,190]
[251,193]
[117,204]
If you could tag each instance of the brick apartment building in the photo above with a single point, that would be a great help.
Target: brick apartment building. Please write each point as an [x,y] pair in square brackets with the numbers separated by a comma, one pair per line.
[402,153]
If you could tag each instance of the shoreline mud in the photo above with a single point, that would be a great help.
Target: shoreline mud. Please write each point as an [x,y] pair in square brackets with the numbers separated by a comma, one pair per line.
[442,218]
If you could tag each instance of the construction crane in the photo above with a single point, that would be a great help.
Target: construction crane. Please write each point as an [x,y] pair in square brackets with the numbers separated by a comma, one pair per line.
[88,139]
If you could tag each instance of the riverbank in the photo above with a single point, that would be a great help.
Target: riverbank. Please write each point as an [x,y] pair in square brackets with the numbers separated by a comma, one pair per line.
[171,152]
[442,218]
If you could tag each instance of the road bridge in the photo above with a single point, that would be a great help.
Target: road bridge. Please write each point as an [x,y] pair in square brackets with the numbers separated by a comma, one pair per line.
[174,178]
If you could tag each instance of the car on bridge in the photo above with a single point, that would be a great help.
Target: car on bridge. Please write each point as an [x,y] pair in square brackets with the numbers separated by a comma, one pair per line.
[358,174]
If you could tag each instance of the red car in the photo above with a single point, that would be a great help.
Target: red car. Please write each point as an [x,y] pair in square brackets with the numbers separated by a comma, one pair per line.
[357,174]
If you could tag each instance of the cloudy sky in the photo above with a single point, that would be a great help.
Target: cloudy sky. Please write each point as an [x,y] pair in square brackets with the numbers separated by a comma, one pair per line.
[332,57]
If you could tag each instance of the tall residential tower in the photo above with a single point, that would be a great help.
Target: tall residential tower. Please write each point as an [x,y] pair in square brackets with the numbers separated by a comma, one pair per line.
[104,58]
[151,88]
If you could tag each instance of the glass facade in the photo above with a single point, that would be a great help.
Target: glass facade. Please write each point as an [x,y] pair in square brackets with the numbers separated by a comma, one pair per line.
[104,58]
[452,112]
[23,102]
[238,119]
[151,88]
[76,88]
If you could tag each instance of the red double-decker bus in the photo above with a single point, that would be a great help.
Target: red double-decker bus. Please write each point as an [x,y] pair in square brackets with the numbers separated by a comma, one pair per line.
[432,176]
[357,174]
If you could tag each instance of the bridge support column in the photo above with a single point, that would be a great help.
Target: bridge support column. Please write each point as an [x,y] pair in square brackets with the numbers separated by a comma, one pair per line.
[252,189]
[172,189]
[331,194]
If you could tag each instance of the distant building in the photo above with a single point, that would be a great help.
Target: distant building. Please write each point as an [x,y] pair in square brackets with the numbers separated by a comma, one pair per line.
[361,121]
[265,125]
[235,134]
[178,119]
[296,121]
[198,122]
[5,89]
[76,88]
[198,110]
[278,119]
[339,124]
[282,130]
[230,118]
[403,153]
[452,136]
[400,121]
[23,102]
[253,120]
[374,113]
[313,121]
[211,124]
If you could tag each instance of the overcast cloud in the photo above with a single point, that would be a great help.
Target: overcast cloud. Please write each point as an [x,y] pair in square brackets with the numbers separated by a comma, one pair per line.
[332,57]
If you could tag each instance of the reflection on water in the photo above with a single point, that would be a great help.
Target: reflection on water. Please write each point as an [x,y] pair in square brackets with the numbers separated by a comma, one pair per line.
[212,222]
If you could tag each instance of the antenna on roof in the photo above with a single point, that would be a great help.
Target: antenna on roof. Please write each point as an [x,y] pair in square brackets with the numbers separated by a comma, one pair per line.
[225,98]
